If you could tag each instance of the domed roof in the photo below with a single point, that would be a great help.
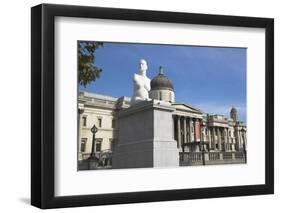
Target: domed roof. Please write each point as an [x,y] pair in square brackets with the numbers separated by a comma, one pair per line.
[161,82]
[233,110]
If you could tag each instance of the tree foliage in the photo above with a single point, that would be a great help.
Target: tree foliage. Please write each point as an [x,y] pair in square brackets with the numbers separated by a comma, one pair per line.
[87,71]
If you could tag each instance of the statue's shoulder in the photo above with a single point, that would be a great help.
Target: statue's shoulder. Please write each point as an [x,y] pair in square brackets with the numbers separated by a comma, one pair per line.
[136,76]
[146,78]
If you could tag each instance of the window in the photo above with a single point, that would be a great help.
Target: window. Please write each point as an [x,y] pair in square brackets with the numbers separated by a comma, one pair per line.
[98,144]
[99,122]
[83,145]
[113,123]
[160,96]
[98,147]
[111,141]
[84,121]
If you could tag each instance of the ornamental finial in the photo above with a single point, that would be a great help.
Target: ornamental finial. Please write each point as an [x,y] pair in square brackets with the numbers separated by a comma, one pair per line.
[161,70]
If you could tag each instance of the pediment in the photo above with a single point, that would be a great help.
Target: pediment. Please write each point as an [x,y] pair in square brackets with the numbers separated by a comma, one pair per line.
[186,108]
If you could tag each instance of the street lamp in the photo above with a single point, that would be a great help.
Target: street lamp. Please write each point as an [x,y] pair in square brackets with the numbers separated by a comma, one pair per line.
[94,130]
[93,160]
[202,145]
[244,144]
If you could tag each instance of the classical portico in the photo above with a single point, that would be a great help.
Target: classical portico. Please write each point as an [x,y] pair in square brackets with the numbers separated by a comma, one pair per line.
[214,137]
[185,132]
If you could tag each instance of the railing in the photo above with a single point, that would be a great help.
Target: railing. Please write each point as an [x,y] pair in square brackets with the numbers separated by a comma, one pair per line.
[214,155]
[84,156]
[239,155]
[195,158]
[104,160]
[227,155]
[191,156]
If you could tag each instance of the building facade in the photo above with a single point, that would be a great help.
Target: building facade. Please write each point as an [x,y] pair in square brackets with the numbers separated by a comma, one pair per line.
[201,138]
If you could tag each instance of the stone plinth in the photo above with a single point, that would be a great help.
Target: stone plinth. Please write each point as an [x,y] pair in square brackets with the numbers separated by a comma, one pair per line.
[145,137]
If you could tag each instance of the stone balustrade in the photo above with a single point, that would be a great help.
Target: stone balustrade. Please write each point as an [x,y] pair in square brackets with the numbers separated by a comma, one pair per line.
[196,158]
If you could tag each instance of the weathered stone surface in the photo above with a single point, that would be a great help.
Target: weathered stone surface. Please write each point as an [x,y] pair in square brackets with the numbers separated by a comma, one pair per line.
[145,137]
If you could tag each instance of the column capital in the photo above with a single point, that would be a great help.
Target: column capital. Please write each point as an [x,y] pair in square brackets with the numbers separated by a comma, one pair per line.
[81,108]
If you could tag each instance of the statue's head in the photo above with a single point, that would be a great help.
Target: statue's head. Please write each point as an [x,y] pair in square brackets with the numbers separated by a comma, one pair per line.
[142,66]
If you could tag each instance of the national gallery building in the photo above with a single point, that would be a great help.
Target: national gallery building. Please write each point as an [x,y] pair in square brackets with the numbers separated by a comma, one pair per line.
[201,138]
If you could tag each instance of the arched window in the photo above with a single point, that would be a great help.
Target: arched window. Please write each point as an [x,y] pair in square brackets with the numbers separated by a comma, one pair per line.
[84,120]
[99,122]
[160,96]
[83,145]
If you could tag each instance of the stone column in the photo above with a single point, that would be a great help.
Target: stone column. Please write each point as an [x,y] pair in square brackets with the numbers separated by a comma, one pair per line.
[184,129]
[200,137]
[219,138]
[219,142]
[209,138]
[202,133]
[225,139]
[214,138]
[194,128]
[245,138]
[190,131]
[237,139]
[179,132]
[242,139]
[230,140]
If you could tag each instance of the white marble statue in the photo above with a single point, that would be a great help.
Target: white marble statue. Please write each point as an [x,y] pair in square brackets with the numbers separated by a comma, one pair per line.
[141,84]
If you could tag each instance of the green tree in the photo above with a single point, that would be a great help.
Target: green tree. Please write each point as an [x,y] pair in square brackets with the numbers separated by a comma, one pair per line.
[88,72]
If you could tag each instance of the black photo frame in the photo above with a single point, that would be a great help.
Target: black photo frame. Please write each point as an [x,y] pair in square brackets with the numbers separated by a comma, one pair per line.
[43,105]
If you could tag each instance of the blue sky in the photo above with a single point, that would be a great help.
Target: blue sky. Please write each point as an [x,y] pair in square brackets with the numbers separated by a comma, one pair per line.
[212,79]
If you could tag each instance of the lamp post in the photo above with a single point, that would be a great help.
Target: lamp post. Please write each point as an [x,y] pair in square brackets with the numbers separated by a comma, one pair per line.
[94,130]
[203,145]
[93,160]
[244,144]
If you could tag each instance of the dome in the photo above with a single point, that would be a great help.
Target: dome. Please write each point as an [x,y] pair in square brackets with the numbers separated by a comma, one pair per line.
[233,114]
[161,82]
[233,110]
